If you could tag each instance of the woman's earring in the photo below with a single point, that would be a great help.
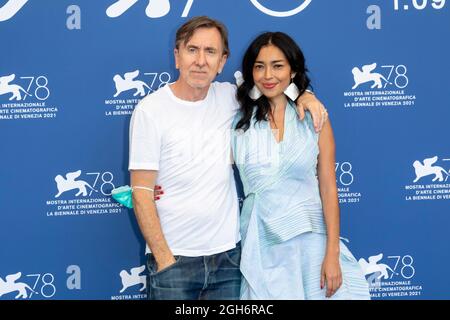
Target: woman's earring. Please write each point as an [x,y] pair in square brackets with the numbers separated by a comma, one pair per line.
[255,94]
[292,91]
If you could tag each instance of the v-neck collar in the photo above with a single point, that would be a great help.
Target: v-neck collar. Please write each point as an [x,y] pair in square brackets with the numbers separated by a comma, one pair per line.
[290,113]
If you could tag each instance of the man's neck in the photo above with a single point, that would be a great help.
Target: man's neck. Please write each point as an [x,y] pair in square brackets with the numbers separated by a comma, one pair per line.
[185,92]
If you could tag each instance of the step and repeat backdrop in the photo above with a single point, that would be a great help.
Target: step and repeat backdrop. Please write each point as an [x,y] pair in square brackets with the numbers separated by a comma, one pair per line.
[72,71]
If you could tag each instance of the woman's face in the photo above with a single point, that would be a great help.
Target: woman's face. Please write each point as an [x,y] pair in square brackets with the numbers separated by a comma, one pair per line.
[271,71]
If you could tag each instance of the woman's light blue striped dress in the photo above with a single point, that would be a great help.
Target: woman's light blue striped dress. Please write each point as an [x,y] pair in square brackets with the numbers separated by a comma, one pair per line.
[282,224]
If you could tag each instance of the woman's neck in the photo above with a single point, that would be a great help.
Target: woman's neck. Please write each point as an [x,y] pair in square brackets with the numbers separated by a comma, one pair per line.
[278,104]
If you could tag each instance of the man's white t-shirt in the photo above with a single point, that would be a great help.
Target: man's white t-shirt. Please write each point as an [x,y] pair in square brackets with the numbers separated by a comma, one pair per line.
[188,143]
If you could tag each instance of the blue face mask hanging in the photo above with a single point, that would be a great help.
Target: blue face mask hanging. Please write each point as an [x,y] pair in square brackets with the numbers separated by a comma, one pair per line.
[124,194]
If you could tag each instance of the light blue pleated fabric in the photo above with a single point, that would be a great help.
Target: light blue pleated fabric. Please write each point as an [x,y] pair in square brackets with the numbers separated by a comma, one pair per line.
[283,206]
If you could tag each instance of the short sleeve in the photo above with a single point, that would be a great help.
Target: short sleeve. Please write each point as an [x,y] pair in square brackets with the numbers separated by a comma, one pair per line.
[227,92]
[235,102]
[145,140]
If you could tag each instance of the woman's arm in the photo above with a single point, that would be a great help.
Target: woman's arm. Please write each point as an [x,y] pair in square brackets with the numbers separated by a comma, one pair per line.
[331,271]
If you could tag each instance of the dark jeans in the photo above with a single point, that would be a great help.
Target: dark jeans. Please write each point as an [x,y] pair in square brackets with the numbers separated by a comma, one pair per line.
[214,277]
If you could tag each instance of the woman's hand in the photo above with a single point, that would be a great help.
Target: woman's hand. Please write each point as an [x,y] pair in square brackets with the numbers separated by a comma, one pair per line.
[331,274]
[307,101]
[158,192]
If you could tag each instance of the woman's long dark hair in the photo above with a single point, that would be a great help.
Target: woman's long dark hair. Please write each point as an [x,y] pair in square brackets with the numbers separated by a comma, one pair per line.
[296,60]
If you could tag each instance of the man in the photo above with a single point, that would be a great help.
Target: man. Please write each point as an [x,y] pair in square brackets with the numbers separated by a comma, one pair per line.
[179,138]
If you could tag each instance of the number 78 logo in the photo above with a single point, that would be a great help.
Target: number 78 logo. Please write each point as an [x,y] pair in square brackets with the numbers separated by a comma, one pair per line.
[378,80]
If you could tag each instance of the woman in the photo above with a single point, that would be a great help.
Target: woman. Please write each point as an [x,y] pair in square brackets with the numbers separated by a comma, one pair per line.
[290,217]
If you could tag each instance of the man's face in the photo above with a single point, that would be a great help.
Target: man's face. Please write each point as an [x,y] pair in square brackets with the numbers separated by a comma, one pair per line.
[201,58]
